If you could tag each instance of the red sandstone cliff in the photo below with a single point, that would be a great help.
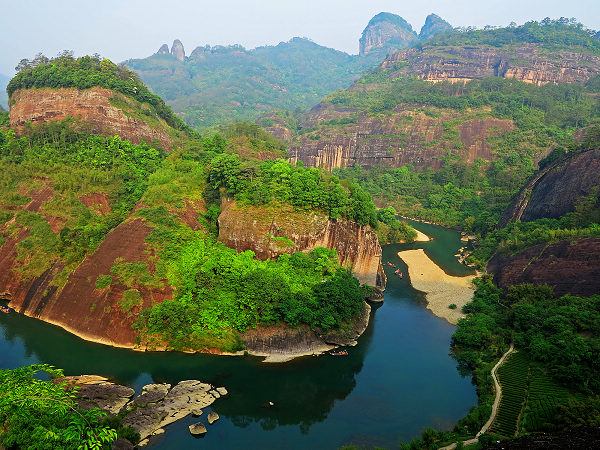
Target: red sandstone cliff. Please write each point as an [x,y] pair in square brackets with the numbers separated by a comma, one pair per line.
[272,232]
[407,136]
[130,120]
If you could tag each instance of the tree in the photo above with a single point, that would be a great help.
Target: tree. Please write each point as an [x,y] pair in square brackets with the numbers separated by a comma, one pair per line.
[43,414]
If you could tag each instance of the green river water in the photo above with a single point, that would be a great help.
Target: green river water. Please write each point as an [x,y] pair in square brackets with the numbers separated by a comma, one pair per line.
[398,380]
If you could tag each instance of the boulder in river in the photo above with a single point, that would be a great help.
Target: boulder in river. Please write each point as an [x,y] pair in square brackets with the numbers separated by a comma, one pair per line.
[197,429]
[212,417]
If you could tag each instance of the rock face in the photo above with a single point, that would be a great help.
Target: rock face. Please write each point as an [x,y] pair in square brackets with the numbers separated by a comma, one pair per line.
[553,191]
[433,24]
[270,233]
[163,50]
[385,31]
[155,407]
[408,136]
[91,105]
[79,307]
[527,62]
[571,266]
[177,50]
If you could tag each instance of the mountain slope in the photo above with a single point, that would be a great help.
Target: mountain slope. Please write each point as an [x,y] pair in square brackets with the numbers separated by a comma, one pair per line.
[218,84]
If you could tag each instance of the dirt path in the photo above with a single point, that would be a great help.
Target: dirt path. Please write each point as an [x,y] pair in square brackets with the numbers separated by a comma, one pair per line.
[494,407]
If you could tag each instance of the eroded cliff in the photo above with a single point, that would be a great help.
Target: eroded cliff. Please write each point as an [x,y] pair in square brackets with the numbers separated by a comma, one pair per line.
[270,232]
[530,63]
[554,190]
[570,266]
[108,112]
[407,136]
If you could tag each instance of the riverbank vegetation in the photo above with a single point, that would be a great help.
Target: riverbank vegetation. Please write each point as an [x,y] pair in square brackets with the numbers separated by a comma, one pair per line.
[42,414]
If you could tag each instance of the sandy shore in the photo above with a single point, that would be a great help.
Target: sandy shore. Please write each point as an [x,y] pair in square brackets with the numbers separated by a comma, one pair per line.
[421,237]
[440,288]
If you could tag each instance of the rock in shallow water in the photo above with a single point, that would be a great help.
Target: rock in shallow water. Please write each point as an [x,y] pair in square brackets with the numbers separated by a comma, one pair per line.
[197,429]
[212,417]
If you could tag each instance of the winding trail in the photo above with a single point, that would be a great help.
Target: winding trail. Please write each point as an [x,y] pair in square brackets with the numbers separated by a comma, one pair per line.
[494,407]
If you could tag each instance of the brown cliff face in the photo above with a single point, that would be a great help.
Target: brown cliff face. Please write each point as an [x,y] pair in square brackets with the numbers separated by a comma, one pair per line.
[94,106]
[75,303]
[553,191]
[407,136]
[529,63]
[270,232]
[571,266]
[163,50]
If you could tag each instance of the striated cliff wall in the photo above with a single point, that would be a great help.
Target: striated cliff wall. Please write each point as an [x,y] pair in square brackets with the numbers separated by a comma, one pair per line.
[553,191]
[95,106]
[529,63]
[571,266]
[408,136]
[272,232]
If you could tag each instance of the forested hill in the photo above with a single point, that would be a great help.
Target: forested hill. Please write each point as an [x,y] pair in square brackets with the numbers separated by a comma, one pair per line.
[217,84]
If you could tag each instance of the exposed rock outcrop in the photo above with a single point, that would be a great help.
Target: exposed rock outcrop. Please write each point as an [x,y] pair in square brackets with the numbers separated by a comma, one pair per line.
[528,62]
[433,24]
[385,31]
[571,266]
[554,190]
[155,407]
[177,50]
[272,232]
[408,136]
[94,106]
[80,307]
[163,50]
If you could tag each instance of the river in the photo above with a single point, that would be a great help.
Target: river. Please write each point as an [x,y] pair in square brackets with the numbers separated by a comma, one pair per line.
[398,380]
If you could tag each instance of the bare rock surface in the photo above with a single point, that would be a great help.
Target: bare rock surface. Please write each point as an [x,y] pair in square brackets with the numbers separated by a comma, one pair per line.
[108,397]
[155,407]
[197,428]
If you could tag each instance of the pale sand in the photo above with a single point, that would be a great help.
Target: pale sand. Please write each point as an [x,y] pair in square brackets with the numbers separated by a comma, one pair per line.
[421,237]
[440,288]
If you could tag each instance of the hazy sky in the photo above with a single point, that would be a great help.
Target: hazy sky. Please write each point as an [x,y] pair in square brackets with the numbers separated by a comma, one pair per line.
[123,29]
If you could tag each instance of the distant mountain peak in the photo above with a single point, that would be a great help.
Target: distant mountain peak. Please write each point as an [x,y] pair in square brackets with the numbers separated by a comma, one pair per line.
[163,50]
[177,50]
[433,24]
[386,30]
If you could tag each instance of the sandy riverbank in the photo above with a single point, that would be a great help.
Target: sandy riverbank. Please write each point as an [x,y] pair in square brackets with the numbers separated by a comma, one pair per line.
[421,237]
[440,288]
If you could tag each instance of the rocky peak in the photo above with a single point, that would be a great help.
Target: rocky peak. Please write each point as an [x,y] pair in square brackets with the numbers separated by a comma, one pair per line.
[433,24]
[177,50]
[384,31]
[163,50]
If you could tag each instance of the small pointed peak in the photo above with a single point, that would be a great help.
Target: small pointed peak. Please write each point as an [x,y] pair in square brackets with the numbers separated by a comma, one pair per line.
[163,50]
[177,50]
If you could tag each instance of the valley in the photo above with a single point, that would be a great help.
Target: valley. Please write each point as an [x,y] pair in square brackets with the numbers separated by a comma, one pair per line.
[346,244]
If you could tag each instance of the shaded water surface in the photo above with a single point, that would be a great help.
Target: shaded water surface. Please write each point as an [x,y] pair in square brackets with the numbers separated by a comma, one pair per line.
[396,381]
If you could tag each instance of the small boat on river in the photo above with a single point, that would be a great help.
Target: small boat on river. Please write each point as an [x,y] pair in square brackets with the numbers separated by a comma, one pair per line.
[340,353]
[5,309]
